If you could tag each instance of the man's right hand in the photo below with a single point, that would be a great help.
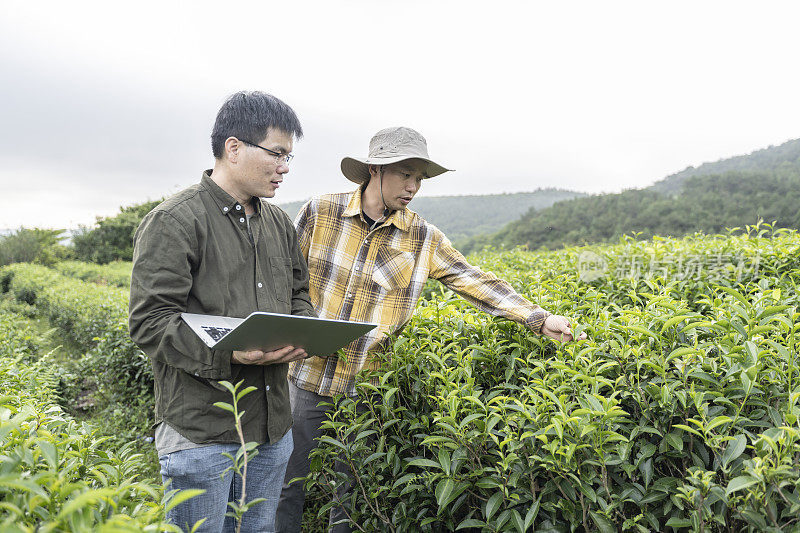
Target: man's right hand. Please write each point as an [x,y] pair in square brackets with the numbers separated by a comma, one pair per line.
[559,328]
[257,357]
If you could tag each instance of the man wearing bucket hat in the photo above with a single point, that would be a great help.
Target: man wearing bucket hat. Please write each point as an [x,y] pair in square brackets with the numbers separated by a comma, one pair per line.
[369,258]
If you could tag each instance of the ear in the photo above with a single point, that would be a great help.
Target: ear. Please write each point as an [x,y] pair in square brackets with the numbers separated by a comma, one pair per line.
[233,149]
[373,170]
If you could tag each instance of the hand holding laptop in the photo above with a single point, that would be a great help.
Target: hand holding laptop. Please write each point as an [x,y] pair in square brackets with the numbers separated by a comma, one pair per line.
[269,338]
[286,354]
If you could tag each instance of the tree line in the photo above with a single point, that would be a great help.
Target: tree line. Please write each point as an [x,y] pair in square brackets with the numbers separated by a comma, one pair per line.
[684,203]
[110,239]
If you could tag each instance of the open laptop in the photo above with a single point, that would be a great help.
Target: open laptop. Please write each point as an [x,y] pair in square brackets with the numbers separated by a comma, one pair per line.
[270,331]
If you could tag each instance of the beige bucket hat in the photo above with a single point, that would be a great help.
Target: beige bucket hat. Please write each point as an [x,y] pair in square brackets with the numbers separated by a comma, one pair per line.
[391,145]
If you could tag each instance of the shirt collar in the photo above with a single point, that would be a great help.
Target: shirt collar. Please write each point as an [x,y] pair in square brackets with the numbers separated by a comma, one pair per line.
[226,203]
[401,219]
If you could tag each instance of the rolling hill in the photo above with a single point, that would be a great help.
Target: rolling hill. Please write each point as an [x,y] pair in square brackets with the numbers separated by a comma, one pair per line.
[773,159]
[710,198]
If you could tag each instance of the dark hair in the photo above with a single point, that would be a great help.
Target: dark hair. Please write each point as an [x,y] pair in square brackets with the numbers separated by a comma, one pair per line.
[248,115]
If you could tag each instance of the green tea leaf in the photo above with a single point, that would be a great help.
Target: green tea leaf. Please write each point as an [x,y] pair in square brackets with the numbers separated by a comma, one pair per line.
[493,504]
[182,496]
[739,483]
[444,460]
[675,441]
[734,449]
[443,490]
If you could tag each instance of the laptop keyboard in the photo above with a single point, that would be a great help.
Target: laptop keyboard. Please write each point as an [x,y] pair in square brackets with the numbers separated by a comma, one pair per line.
[216,333]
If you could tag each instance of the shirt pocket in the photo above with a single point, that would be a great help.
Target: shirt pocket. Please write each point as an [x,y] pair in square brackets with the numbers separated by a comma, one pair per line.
[281,270]
[393,268]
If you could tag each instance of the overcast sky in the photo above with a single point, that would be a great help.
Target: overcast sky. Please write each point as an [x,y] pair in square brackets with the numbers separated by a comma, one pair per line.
[107,104]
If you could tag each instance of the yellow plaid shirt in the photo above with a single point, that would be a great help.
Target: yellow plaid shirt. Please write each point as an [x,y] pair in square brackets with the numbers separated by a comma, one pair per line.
[377,276]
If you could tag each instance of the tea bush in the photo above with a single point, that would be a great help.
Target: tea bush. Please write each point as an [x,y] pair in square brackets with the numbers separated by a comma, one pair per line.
[116,273]
[112,367]
[679,412]
[18,337]
[32,282]
[57,474]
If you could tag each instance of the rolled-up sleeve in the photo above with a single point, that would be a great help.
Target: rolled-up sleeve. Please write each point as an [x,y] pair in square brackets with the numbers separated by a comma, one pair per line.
[164,257]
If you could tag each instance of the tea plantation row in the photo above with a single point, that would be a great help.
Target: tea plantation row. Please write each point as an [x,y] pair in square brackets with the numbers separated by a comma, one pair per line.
[116,273]
[110,368]
[55,473]
[680,411]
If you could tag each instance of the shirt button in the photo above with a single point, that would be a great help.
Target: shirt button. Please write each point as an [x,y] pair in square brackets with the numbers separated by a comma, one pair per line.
[238,208]
[266,388]
[241,219]
[224,209]
[260,284]
[356,267]
[366,241]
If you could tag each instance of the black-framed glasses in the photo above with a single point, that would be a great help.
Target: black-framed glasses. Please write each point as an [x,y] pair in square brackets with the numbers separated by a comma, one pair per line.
[280,159]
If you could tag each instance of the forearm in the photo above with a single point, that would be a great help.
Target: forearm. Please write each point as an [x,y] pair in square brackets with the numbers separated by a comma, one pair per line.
[496,297]
[482,289]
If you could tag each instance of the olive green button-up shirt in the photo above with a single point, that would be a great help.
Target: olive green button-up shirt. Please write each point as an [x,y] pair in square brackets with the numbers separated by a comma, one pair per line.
[193,253]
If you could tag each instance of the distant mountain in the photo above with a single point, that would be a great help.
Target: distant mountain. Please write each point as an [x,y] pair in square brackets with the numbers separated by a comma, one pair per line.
[729,193]
[461,217]
[773,159]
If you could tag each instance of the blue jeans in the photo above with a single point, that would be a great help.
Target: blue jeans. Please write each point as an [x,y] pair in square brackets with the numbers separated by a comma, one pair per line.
[204,468]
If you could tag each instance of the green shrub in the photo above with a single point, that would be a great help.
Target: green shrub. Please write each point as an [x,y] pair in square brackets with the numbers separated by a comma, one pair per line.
[83,310]
[94,316]
[117,273]
[33,245]
[111,238]
[113,371]
[123,375]
[56,474]
[18,336]
[26,281]
[681,410]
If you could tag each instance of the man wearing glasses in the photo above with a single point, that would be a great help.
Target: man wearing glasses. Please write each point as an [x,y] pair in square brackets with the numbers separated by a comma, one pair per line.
[216,248]
[369,258]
